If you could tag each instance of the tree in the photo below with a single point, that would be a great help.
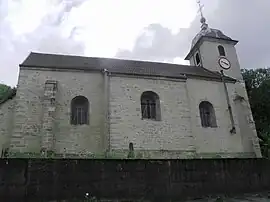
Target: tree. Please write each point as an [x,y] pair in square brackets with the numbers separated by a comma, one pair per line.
[258,89]
[3,90]
[6,92]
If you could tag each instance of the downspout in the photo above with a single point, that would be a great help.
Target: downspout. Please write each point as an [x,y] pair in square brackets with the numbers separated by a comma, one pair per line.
[106,110]
[233,130]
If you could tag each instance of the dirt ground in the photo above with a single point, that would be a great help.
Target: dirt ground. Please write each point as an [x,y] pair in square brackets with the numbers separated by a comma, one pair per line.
[264,197]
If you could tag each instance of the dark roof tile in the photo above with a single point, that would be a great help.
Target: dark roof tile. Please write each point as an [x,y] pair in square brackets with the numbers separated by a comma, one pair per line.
[118,66]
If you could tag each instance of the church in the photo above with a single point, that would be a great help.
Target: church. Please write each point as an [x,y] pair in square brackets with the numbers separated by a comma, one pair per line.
[90,107]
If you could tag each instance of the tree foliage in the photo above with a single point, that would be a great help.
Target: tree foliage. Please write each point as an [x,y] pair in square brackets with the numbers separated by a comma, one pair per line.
[258,89]
[3,90]
[6,92]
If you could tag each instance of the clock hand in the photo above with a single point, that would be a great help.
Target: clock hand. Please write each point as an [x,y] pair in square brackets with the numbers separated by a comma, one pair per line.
[224,63]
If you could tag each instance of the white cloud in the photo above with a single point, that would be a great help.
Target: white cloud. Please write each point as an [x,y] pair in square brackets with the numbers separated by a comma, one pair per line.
[113,25]
[25,16]
[82,27]
[179,60]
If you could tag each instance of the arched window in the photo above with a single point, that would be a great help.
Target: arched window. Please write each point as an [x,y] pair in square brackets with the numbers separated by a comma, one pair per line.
[79,111]
[131,151]
[221,50]
[197,59]
[131,148]
[150,105]
[207,114]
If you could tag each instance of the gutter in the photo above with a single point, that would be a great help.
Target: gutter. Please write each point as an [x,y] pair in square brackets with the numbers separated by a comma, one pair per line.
[106,91]
[233,130]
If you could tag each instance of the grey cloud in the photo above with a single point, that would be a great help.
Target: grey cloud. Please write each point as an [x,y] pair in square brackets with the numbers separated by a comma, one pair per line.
[248,22]
[64,8]
[165,45]
[243,20]
[155,42]
[70,4]
[45,38]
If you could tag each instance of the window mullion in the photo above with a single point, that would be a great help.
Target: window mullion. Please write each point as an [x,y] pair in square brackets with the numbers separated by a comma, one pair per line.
[149,106]
[79,111]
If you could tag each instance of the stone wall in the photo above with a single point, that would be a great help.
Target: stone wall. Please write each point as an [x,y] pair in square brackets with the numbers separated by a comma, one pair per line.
[68,138]
[219,139]
[170,137]
[163,180]
[178,134]
[210,55]
[6,120]
[246,122]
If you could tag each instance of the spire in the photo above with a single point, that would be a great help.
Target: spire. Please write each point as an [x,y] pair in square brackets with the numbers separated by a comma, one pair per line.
[202,20]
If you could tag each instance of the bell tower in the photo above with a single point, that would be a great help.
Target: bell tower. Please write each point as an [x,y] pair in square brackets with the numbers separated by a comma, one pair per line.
[214,50]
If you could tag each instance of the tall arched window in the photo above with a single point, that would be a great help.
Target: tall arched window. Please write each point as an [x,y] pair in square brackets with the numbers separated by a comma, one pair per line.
[150,105]
[221,50]
[79,111]
[207,114]
[197,59]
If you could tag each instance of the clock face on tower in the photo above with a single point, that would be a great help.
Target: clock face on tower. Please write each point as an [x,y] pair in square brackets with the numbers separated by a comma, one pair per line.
[224,63]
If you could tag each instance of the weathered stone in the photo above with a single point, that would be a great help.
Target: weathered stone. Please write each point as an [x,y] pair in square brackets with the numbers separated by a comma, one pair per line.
[38,118]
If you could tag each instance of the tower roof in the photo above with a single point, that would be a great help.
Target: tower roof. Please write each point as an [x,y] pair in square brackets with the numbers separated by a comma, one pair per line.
[207,32]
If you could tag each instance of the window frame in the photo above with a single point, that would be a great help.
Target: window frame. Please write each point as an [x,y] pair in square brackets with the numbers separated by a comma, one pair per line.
[199,58]
[79,111]
[221,51]
[207,115]
[150,106]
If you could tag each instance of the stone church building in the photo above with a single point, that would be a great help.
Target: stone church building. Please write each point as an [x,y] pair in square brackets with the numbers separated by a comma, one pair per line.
[85,106]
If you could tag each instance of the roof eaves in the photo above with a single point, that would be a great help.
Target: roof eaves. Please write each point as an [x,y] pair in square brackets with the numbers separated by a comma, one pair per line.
[206,37]
[234,42]
[209,78]
[227,78]
[24,61]
[147,75]
[60,68]
[192,50]
[204,76]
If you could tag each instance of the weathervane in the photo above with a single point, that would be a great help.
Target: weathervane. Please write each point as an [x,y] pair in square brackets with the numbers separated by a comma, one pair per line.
[203,20]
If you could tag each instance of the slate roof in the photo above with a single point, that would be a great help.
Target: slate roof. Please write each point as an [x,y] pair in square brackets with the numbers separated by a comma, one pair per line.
[117,66]
[209,32]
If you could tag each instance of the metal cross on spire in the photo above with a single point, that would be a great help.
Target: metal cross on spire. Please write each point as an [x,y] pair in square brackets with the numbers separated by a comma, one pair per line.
[203,20]
[200,8]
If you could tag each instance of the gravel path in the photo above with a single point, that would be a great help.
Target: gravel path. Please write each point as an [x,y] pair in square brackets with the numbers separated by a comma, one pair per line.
[247,198]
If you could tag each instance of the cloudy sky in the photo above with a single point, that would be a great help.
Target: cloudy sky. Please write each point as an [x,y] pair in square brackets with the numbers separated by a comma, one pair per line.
[155,30]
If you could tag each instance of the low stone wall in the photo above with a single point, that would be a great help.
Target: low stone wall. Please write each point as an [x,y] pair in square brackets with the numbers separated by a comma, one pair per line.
[125,154]
[154,180]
